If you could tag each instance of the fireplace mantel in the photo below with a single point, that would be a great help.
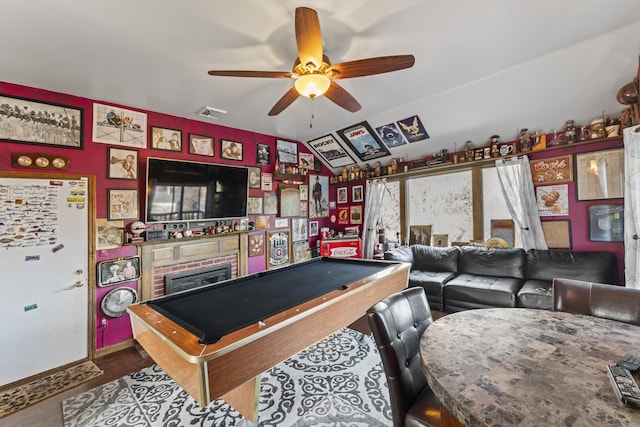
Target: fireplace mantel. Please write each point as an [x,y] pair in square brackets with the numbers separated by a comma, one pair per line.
[158,254]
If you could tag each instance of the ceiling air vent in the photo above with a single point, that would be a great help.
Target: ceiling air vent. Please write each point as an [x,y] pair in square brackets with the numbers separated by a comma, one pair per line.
[212,113]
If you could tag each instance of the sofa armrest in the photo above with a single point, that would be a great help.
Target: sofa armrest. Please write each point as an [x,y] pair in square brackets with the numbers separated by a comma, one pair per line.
[436,259]
[597,266]
[401,254]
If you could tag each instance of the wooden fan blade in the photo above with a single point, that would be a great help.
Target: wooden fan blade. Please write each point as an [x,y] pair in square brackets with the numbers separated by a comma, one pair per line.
[286,100]
[341,97]
[371,66]
[263,74]
[308,36]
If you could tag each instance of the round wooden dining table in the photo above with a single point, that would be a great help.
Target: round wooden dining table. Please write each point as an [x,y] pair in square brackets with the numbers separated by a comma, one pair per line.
[525,367]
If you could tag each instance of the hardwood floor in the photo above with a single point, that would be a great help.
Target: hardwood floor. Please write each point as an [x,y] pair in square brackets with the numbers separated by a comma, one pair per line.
[48,413]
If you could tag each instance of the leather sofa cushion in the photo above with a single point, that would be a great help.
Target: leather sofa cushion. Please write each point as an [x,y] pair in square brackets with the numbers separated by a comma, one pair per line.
[431,258]
[597,266]
[492,262]
[483,291]
[401,254]
[536,294]
[431,282]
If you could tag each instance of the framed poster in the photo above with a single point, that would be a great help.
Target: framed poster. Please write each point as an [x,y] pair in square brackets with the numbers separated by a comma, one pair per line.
[256,244]
[355,214]
[342,195]
[600,175]
[263,154]
[357,194]
[117,271]
[319,206]
[109,234]
[123,204]
[231,150]
[123,163]
[606,223]
[557,234]
[201,145]
[363,141]
[289,201]
[313,228]
[254,205]
[305,161]
[329,150]
[304,192]
[281,223]
[270,205]
[117,126]
[43,123]
[278,248]
[504,229]
[299,229]
[287,151]
[301,252]
[343,215]
[554,170]
[412,129]
[420,234]
[166,139]
[255,177]
[390,135]
[553,200]
[267,181]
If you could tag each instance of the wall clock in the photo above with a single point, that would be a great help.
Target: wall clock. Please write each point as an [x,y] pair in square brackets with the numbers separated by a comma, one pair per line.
[115,303]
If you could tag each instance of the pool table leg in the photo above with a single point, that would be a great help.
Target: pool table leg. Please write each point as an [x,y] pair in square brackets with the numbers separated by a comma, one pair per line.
[245,399]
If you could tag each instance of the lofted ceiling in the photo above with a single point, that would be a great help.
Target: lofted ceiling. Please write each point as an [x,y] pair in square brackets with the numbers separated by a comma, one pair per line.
[481,68]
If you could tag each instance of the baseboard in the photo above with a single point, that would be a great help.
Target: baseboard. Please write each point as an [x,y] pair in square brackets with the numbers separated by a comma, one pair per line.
[104,351]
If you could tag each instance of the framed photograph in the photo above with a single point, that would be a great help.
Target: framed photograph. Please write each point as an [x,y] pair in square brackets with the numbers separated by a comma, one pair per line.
[554,170]
[254,205]
[606,223]
[109,234]
[287,151]
[231,150]
[557,234]
[304,192]
[364,141]
[299,229]
[420,234]
[123,204]
[331,152]
[118,270]
[267,181]
[278,248]
[166,139]
[440,240]
[342,195]
[263,221]
[289,201]
[600,175]
[319,207]
[412,129]
[357,194]
[123,163]
[301,252]
[281,223]
[270,206]
[42,123]
[118,126]
[263,154]
[355,214]
[553,200]
[201,145]
[304,208]
[306,161]
[255,177]
[256,244]
[313,228]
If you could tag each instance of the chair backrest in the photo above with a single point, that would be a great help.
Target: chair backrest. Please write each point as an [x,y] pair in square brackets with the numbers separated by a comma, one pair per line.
[397,323]
[597,299]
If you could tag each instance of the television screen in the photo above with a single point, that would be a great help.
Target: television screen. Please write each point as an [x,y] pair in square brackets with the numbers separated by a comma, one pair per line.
[186,191]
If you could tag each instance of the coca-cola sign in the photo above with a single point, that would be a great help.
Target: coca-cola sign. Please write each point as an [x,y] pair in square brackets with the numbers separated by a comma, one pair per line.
[343,252]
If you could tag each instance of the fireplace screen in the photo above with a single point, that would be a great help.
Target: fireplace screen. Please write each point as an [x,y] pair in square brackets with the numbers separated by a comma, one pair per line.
[191,279]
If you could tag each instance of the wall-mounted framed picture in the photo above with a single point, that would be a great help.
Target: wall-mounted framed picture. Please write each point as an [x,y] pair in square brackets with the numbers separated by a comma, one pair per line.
[606,223]
[118,126]
[109,234]
[301,251]
[270,205]
[289,201]
[331,152]
[363,141]
[355,214]
[118,270]
[42,123]
[256,244]
[263,154]
[306,160]
[553,200]
[255,177]
[287,151]
[304,192]
[357,194]
[440,240]
[123,204]
[267,181]
[281,223]
[231,150]
[504,229]
[557,234]
[554,170]
[600,175]
[299,229]
[313,228]
[123,163]
[278,248]
[201,145]
[420,234]
[412,129]
[319,207]
[254,205]
[342,195]
[166,139]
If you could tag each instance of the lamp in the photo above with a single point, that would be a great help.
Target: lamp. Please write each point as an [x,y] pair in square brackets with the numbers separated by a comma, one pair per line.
[312,85]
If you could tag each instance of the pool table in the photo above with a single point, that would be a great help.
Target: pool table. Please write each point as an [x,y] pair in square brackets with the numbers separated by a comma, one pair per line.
[216,340]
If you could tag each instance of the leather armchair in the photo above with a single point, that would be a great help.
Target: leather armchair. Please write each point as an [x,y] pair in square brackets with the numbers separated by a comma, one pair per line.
[397,323]
[597,299]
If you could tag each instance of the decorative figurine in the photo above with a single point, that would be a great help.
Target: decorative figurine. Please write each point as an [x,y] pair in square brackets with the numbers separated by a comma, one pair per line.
[495,146]
[569,132]
[625,119]
[469,151]
[525,141]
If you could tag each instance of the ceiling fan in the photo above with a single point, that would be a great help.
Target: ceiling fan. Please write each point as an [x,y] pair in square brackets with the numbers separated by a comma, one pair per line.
[314,74]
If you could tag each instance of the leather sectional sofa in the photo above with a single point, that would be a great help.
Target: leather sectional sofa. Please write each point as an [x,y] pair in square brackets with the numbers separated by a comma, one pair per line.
[462,278]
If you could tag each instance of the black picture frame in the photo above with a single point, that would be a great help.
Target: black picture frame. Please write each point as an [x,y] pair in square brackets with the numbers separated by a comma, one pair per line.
[364,141]
[231,150]
[166,139]
[263,154]
[606,223]
[201,145]
[115,271]
[329,150]
[31,121]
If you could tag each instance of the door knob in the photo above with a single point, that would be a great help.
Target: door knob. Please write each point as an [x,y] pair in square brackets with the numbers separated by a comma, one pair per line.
[78,284]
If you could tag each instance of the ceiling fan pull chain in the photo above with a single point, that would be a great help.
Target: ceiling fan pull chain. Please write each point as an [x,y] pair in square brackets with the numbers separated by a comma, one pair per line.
[312,115]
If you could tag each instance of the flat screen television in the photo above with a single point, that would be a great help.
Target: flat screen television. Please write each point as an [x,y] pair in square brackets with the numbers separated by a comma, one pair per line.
[178,190]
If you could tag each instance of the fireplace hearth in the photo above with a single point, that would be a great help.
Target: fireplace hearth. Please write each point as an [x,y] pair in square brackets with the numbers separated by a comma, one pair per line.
[191,279]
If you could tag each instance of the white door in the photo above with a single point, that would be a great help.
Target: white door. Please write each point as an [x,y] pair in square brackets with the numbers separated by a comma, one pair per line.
[44,285]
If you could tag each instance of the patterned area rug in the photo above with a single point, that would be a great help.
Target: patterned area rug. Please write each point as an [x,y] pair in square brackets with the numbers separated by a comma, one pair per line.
[24,395]
[336,382]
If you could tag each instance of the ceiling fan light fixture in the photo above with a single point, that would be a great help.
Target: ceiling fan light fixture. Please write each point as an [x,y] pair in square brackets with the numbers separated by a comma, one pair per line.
[312,85]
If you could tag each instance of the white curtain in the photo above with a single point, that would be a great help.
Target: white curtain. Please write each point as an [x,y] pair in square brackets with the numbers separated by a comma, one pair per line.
[517,187]
[375,191]
[631,206]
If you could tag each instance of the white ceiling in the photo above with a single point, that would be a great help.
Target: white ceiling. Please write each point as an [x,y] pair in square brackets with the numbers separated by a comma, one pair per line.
[481,68]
